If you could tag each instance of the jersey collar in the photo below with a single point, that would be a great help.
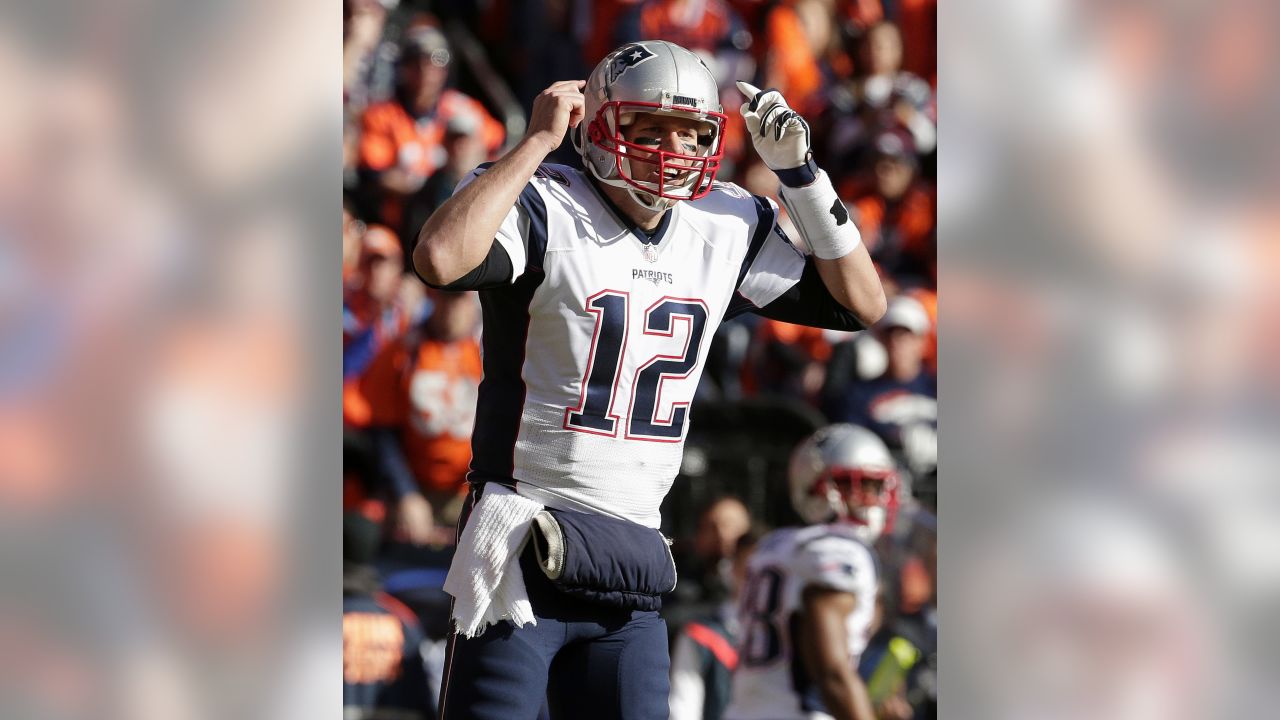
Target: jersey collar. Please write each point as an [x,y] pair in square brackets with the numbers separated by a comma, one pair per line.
[659,233]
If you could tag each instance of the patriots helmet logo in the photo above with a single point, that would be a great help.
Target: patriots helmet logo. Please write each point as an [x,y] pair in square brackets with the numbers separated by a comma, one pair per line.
[627,58]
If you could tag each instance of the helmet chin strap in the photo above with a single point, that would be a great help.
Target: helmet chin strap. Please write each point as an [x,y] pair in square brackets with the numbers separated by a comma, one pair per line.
[644,199]
[650,201]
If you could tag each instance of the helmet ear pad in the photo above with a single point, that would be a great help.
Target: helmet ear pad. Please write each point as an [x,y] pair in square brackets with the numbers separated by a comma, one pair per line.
[589,138]
[595,133]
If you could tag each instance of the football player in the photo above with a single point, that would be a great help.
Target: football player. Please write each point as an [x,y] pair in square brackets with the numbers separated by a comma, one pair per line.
[601,290]
[806,611]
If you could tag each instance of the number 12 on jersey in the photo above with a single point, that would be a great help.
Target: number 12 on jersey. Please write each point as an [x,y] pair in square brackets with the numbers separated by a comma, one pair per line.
[597,410]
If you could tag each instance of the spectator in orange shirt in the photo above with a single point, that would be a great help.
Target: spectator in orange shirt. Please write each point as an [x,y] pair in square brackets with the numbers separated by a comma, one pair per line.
[422,394]
[896,217]
[710,28]
[796,36]
[401,140]
[371,315]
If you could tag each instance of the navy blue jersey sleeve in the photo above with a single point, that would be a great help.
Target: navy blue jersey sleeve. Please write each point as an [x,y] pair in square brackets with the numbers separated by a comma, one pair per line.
[495,271]
[807,302]
[772,263]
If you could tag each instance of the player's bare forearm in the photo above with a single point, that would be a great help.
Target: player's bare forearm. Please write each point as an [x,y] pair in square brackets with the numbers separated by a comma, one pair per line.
[824,649]
[458,235]
[853,281]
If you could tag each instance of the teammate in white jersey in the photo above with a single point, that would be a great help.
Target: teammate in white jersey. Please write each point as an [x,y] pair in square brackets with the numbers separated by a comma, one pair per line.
[601,292]
[806,610]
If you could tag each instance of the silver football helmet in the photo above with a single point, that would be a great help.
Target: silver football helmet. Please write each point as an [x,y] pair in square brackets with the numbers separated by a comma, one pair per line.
[844,473]
[653,76]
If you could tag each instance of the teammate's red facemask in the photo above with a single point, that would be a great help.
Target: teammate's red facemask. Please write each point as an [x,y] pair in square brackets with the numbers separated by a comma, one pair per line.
[679,176]
[862,489]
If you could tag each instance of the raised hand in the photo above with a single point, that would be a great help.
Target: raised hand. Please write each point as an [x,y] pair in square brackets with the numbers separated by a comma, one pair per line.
[555,110]
[780,135]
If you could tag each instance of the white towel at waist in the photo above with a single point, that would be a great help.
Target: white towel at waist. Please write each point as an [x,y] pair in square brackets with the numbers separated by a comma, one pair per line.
[485,578]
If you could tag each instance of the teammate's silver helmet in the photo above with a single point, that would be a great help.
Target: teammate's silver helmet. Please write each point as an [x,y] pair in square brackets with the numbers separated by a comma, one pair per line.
[653,76]
[845,473]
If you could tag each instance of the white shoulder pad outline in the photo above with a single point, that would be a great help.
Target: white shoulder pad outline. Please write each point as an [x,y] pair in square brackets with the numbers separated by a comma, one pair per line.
[836,562]
[778,263]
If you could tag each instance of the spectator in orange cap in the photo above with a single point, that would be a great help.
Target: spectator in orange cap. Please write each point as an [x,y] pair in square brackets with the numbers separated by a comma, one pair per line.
[422,393]
[371,317]
[401,139]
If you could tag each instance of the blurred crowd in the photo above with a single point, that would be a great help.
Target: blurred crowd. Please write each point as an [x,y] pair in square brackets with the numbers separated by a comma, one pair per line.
[430,90]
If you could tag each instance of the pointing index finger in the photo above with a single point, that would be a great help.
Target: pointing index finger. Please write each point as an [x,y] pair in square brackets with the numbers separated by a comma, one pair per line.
[747,89]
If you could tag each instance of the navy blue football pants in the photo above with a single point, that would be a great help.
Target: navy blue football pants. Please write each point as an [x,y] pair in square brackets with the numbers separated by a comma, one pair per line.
[585,660]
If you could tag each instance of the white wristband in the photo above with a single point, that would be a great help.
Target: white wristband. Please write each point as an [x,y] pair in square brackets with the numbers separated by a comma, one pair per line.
[822,218]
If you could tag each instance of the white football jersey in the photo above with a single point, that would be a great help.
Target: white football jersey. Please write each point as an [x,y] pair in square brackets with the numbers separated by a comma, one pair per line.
[770,682]
[592,354]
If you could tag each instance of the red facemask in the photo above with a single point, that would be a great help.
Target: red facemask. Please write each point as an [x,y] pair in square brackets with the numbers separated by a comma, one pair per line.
[862,489]
[679,176]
